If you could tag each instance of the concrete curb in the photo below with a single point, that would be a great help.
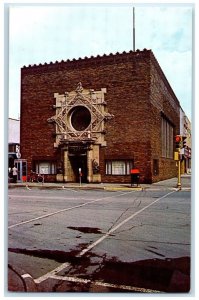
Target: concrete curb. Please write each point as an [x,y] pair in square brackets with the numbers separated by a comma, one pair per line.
[123,188]
[75,187]
[60,187]
[20,281]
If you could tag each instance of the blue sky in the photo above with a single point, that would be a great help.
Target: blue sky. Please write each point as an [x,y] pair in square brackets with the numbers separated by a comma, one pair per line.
[45,33]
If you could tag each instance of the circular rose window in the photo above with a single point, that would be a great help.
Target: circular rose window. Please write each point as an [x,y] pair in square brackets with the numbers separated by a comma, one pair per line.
[80,118]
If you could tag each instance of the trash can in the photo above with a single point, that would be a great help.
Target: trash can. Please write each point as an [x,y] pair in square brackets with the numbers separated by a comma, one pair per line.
[135,176]
[24,178]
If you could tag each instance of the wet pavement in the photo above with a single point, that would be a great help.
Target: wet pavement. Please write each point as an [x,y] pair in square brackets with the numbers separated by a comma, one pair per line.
[144,276]
[147,276]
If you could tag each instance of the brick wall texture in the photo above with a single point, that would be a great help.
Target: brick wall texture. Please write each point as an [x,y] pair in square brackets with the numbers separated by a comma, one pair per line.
[138,94]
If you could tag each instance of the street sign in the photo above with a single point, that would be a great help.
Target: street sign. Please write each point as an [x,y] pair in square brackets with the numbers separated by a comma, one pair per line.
[18,154]
[176,155]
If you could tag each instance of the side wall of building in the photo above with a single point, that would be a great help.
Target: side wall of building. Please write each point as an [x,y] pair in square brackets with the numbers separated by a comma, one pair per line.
[164,106]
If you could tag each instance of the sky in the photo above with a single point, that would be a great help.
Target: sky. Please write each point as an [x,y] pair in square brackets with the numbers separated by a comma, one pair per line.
[44,33]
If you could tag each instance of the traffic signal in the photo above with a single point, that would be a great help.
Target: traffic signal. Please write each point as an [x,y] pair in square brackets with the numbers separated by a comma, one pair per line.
[183,141]
[178,140]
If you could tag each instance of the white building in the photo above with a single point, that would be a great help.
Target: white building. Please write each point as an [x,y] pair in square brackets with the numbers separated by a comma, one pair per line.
[185,131]
[13,140]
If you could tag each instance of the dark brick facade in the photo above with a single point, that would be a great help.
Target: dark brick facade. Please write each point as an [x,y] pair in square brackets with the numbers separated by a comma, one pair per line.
[138,95]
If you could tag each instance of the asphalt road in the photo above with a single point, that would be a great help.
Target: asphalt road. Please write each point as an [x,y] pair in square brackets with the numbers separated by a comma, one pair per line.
[101,241]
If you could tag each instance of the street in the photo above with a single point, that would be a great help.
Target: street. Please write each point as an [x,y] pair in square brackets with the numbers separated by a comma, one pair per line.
[71,240]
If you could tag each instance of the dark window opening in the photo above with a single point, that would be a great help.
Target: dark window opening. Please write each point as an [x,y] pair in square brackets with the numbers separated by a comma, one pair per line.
[156,167]
[167,138]
[80,118]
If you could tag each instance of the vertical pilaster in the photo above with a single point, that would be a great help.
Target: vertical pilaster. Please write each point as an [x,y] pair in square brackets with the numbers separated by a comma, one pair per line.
[89,165]
[65,165]
[95,156]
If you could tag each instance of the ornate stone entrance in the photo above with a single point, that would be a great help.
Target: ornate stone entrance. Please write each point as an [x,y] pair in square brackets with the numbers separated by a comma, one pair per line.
[80,120]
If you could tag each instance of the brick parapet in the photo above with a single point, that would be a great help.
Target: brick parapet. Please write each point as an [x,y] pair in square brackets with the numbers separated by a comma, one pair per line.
[84,62]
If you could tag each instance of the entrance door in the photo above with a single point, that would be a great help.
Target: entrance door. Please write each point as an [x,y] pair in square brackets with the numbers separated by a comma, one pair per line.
[21,165]
[79,162]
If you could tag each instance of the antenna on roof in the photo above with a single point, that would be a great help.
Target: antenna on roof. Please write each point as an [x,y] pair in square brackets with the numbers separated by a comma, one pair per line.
[133,28]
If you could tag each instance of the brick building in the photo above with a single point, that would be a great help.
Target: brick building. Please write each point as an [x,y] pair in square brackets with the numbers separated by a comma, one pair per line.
[100,116]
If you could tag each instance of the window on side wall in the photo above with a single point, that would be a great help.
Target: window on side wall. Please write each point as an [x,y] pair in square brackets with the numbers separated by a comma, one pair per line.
[118,167]
[167,138]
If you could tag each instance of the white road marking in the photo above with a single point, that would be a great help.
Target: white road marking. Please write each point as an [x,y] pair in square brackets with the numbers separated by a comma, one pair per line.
[120,224]
[52,273]
[103,284]
[28,188]
[65,209]
[64,265]
[26,276]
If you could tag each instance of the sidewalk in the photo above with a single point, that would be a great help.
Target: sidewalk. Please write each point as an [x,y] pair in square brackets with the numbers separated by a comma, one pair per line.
[172,183]
[165,184]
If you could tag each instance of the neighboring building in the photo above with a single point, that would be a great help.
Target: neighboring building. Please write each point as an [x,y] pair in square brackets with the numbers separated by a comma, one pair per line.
[185,131]
[99,116]
[13,140]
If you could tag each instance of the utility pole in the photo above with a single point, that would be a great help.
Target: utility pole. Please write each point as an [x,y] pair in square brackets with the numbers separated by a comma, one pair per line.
[179,145]
[179,172]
